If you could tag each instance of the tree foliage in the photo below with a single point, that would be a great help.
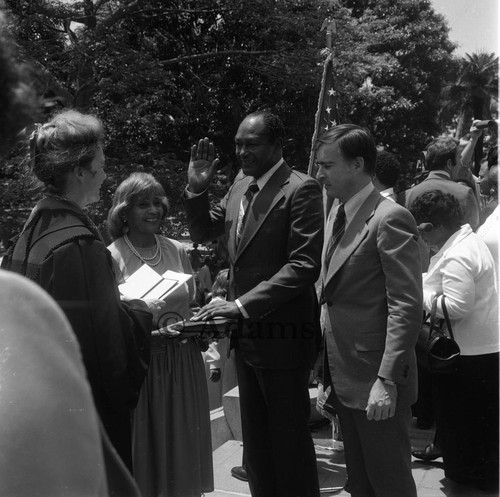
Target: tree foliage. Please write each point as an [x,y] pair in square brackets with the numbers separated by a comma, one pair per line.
[395,71]
[473,96]
[163,74]
[475,92]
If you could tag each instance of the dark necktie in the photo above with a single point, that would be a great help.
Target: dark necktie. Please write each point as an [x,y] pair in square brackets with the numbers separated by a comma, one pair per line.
[246,200]
[337,233]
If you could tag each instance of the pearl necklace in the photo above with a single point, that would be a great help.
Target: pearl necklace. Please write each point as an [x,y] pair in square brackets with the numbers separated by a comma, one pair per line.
[146,260]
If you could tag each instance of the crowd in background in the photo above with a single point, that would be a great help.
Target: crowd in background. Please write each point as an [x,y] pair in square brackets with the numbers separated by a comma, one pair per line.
[460,262]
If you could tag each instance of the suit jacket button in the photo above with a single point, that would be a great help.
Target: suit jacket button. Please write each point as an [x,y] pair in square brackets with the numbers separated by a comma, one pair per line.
[329,303]
[236,269]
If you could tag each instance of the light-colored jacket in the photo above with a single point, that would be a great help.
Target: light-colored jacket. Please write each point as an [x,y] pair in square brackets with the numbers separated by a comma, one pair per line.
[373,294]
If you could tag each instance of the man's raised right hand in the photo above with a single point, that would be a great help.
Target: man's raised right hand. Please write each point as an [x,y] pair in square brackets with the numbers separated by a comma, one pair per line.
[202,166]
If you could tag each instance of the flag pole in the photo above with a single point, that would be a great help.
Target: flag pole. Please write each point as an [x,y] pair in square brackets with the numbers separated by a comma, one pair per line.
[317,119]
[327,113]
[331,27]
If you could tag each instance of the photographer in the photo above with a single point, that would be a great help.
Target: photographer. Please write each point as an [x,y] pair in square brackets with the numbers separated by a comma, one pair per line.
[476,131]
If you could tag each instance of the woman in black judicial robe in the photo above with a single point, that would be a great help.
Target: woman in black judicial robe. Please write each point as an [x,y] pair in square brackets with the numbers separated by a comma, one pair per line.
[61,249]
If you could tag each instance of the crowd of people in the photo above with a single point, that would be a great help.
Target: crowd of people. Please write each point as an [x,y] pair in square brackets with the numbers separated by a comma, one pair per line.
[101,397]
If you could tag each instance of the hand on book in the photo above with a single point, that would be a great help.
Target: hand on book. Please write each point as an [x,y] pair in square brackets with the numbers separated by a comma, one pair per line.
[169,331]
[217,308]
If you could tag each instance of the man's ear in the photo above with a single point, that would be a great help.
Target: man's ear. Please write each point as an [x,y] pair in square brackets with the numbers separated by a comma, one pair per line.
[358,164]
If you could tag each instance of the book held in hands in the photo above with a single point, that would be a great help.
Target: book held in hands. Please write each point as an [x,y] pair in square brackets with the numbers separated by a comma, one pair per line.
[146,283]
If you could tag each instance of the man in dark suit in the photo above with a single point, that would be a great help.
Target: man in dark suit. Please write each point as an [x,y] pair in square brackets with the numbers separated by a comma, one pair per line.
[273,219]
[372,292]
[441,158]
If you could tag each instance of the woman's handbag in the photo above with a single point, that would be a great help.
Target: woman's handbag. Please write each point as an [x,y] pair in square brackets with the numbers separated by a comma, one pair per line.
[437,350]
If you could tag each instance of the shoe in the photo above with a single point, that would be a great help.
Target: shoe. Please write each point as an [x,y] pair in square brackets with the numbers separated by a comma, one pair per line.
[430,453]
[240,473]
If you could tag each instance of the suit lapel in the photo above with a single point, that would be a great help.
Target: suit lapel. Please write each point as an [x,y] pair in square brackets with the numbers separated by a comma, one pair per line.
[262,205]
[354,234]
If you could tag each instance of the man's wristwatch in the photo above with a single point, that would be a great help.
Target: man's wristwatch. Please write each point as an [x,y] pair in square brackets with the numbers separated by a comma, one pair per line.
[387,382]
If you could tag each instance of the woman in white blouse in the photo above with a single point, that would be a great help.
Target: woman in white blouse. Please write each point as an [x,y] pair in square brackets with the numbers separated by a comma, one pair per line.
[467,401]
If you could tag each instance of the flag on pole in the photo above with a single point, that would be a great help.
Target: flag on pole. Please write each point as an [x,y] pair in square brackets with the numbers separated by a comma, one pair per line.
[327,114]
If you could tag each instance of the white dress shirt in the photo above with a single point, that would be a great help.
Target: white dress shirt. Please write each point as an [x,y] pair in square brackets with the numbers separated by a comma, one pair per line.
[389,194]
[352,206]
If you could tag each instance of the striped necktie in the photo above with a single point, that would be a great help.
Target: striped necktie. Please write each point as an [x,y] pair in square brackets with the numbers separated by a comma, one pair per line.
[337,233]
[246,200]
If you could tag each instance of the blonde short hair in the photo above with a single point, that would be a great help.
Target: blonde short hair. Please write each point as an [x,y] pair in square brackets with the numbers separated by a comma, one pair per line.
[68,140]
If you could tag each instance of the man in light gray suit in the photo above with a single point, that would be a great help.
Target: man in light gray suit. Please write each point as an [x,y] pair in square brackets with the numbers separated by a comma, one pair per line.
[372,290]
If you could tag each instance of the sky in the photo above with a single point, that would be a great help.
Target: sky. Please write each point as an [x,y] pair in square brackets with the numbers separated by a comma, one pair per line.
[473,24]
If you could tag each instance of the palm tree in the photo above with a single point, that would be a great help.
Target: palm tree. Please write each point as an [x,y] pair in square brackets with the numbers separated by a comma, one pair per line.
[475,92]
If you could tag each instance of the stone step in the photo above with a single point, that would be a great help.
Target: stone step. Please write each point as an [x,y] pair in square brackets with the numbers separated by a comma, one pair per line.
[429,477]
[221,432]
[228,451]
[231,408]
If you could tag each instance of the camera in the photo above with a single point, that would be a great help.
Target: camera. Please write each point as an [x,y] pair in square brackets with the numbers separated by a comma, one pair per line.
[485,124]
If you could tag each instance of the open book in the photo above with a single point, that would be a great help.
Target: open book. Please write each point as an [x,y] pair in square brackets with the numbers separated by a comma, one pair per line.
[146,283]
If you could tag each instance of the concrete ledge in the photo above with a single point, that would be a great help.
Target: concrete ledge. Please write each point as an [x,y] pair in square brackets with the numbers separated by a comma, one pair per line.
[231,405]
[219,427]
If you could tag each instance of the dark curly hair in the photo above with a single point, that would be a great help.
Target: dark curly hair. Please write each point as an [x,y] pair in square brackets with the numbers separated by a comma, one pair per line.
[387,168]
[272,124]
[438,208]
[439,151]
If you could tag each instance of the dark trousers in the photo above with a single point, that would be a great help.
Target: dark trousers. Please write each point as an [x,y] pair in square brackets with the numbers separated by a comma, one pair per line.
[377,453]
[279,453]
[467,421]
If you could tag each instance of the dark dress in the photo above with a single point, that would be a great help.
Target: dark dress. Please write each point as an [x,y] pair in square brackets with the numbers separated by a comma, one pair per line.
[60,249]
